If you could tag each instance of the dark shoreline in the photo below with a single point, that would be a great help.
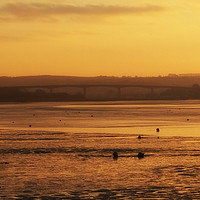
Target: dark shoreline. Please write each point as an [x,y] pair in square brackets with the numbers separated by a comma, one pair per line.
[98,100]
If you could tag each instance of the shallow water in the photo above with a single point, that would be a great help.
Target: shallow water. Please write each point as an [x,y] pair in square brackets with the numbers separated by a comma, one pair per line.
[66,153]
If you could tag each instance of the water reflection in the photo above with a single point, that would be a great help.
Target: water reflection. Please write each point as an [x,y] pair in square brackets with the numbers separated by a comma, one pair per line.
[75,160]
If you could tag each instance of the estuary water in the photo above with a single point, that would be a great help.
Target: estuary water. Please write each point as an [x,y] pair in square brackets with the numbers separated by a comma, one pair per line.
[64,150]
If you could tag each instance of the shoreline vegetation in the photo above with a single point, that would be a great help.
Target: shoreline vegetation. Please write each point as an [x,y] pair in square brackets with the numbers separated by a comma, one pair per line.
[102,88]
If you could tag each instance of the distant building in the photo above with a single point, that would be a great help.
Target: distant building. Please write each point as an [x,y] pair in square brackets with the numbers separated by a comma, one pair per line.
[172,75]
[187,75]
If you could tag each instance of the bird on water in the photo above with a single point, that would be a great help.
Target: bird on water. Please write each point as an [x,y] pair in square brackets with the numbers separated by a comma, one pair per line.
[140,155]
[115,155]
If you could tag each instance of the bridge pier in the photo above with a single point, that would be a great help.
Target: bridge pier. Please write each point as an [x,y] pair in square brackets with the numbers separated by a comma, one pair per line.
[119,92]
[84,92]
[152,91]
[51,90]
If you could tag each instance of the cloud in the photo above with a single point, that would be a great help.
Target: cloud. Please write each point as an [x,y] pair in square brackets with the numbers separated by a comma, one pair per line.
[30,11]
[5,38]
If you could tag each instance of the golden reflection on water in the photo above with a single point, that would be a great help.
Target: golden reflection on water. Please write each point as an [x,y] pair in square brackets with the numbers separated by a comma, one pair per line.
[67,154]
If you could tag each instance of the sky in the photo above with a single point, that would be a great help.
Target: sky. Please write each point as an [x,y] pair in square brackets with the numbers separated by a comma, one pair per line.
[99,37]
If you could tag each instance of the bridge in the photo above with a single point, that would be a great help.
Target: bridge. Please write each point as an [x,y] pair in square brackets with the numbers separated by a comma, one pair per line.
[84,87]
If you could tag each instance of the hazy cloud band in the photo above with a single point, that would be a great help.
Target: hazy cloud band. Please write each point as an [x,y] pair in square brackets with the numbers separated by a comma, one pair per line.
[38,10]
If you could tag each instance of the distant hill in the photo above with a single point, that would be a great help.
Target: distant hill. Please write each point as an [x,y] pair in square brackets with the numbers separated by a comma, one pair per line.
[171,80]
[187,87]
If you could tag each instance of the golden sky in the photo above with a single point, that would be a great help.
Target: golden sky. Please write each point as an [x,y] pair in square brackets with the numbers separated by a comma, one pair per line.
[99,37]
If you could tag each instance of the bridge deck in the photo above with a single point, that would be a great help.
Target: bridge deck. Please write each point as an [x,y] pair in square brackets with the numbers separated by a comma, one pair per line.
[98,85]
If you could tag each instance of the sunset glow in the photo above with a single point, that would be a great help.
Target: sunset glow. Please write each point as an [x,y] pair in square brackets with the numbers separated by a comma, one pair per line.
[107,37]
